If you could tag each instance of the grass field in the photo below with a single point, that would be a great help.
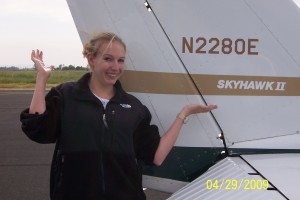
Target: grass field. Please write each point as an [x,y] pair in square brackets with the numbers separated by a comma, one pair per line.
[25,79]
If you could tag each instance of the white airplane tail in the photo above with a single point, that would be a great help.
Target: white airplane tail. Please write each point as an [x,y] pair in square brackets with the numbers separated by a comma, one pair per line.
[241,55]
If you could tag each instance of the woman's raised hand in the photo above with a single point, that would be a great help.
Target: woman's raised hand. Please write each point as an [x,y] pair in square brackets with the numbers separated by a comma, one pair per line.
[37,58]
[197,108]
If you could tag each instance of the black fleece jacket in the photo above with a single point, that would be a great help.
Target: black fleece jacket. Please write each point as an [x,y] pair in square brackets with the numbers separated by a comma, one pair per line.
[96,149]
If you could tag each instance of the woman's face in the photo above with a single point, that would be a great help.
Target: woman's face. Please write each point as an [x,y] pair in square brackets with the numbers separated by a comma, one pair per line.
[108,65]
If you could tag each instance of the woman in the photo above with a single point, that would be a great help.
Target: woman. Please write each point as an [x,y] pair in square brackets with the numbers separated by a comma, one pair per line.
[100,130]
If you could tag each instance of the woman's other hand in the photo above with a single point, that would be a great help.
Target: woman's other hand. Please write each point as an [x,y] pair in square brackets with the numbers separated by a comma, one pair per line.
[197,108]
[37,58]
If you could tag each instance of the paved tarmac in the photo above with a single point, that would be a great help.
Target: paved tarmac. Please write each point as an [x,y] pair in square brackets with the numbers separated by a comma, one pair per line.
[25,165]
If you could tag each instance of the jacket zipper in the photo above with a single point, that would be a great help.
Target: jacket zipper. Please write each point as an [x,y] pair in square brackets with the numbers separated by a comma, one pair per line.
[101,152]
[104,120]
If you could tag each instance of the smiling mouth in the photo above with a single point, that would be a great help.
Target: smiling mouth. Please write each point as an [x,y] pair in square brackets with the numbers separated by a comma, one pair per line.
[112,75]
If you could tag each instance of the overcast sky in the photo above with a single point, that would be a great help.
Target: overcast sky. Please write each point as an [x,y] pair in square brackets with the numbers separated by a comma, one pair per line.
[43,24]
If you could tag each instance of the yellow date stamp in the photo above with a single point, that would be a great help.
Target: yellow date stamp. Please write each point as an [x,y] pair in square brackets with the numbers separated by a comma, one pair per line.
[236,184]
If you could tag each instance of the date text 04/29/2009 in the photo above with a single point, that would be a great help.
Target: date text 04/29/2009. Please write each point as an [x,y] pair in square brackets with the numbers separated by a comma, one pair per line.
[235,184]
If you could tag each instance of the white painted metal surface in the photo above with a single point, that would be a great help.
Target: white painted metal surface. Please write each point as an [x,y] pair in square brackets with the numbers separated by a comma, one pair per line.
[280,142]
[229,180]
[162,184]
[282,170]
[250,117]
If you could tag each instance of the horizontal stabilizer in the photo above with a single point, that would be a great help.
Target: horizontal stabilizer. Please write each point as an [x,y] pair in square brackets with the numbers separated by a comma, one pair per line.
[237,178]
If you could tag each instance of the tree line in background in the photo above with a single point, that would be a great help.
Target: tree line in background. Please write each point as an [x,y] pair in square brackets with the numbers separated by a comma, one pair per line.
[60,67]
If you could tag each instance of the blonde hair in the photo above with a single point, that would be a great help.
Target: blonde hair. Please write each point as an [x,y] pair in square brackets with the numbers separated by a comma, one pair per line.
[99,39]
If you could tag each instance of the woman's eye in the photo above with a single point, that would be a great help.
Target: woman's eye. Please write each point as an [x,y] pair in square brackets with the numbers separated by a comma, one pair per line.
[107,59]
[121,61]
